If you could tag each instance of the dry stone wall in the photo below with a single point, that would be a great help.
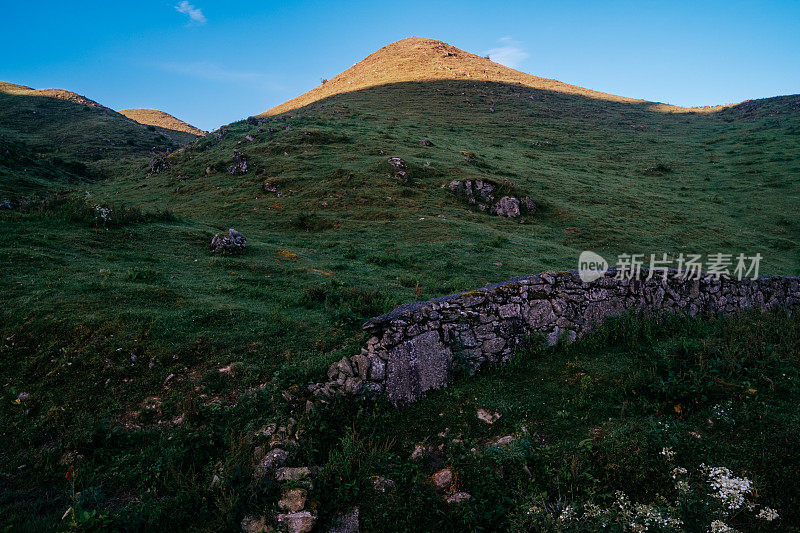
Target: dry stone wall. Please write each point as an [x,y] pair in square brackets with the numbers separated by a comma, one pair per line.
[413,349]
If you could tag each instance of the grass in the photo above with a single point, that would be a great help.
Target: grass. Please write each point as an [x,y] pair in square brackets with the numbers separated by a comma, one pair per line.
[116,329]
[48,142]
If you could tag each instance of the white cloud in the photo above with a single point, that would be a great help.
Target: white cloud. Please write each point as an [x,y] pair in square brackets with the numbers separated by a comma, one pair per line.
[509,54]
[195,14]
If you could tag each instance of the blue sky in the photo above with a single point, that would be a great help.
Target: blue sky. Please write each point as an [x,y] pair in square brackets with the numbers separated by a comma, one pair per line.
[212,62]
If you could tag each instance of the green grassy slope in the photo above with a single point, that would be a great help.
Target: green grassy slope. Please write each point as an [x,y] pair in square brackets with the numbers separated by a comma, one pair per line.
[117,329]
[56,138]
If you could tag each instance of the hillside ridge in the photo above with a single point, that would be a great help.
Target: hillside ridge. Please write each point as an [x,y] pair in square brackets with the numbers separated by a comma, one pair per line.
[61,94]
[419,59]
[160,119]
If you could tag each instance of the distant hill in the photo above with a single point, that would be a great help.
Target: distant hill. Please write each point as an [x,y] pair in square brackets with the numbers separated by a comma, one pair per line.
[165,123]
[418,59]
[52,137]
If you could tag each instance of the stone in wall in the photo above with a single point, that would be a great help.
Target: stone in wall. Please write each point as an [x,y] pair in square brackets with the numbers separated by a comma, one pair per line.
[412,349]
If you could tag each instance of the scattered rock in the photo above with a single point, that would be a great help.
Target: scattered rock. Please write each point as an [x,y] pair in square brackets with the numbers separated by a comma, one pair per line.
[253,524]
[419,452]
[382,484]
[6,204]
[425,142]
[249,138]
[483,195]
[231,242]
[208,171]
[288,473]
[271,460]
[301,522]
[158,164]
[503,441]
[293,500]
[486,416]
[459,497]
[239,165]
[397,163]
[507,206]
[345,522]
[443,479]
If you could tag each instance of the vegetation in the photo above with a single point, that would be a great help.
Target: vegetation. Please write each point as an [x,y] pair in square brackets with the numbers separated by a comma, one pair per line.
[137,366]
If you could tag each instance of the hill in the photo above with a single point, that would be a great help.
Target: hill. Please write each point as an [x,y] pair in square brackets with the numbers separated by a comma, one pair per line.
[165,123]
[150,372]
[53,138]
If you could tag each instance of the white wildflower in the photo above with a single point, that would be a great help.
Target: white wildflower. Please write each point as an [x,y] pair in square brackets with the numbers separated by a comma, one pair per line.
[730,490]
[767,514]
[718,526]
[567,514]
[103,212]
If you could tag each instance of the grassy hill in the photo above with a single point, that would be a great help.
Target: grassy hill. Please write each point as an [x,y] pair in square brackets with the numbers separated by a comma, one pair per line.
[53,138]
[176,129]
[148,365]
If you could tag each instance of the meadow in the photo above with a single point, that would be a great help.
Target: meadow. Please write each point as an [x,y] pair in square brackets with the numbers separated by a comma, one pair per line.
[137,366]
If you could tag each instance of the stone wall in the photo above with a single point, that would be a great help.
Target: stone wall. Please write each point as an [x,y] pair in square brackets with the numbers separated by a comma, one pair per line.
[413,348]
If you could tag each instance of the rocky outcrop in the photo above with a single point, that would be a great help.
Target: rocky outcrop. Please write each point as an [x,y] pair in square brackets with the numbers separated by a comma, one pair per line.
[483,195]
[416,347]
[158,164]
[239,165]
[230,242]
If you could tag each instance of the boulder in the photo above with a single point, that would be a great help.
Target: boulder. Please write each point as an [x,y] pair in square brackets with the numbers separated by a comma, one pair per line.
[231,242]
[271,460]
[397,163]
[507,206]
[443,479]
[459,497]
[288,473]
[300,522]
[293,500]
[482,195]
[486,416]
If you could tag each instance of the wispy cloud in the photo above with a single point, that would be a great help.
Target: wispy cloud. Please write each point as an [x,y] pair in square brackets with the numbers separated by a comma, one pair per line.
[510,52]
[195,14]
[207,70]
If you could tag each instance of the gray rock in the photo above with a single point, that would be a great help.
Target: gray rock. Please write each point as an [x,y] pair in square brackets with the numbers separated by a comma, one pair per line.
[293,500]
[230,242]
[507,206]
[300,522]
[488,417]
[443,479]
[239,165]
[288,473]
[416,366]
[272,460]
[459,497]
